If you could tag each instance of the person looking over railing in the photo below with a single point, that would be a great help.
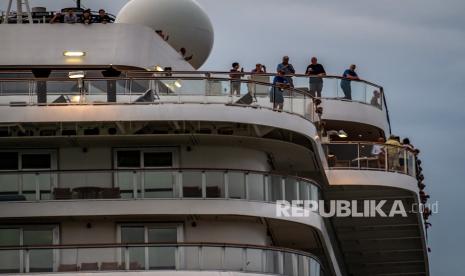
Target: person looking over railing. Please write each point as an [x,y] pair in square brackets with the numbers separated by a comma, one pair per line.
[103,17]
[288,70]
[164,36]
[375,100]
[379,151]
[259,69]
[86,18]
[70,17]
[316,84]
[280,82]
[236,76]
[393,150]
[348,75]
[183,53]
[57,18]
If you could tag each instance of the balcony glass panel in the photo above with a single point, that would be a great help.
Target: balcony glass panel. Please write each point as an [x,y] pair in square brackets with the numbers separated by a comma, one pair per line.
[233,259]
[276,190]
[191,258]
[159,184]
[290,189]
[215,184]
[236,185]
[134,234]
[40,260]
[254,260]
[256,186]
[211,257]
[192,184]
[288,264]
[9,259]
[272,262]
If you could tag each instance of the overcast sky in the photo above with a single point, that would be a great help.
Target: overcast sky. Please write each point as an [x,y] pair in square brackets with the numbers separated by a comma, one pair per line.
[414,48]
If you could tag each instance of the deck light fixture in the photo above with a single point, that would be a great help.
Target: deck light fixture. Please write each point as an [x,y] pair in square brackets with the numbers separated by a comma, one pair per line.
[178,84]
[76,74]
[341,133]
[74,53]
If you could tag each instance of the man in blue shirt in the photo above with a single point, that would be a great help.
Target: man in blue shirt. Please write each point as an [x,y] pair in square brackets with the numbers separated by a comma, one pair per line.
[280,82]
[348,75]
[287,68]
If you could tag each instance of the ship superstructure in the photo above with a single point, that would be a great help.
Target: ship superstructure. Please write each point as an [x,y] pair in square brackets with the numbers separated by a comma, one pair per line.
[118,156]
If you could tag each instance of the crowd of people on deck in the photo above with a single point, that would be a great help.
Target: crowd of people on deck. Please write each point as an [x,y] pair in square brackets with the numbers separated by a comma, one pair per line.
[283,80]
[71,17]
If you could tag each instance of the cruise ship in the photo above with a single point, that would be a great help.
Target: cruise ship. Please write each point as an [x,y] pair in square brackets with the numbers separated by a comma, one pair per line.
[119,157]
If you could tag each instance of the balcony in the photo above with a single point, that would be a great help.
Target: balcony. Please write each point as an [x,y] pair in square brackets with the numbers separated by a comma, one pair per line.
[370,156]
[154,184]
[152,256]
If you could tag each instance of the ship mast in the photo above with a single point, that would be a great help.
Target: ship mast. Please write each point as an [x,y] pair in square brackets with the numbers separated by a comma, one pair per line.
[19,11]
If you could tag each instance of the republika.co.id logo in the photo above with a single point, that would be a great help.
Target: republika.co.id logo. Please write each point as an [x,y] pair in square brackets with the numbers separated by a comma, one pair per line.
[346,208]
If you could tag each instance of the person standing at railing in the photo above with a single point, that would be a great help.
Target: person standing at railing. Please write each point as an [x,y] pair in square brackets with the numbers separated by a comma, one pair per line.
[379,151]
[407,154]
[393,149]
[184,55]
[86,18]
[259,69]
[57,18]
[70,17]
[236,75]
[313,70]
[280,82]
[103,17]
[348,75]
[288,70]
[375,100]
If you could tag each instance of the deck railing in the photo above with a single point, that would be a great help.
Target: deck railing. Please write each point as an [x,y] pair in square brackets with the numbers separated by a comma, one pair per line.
[158,256]
[143,87]
[169,183]
[371,156]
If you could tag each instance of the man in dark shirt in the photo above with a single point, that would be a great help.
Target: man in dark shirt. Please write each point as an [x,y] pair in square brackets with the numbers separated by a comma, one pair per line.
[316,84]
[348,75]
[103,17]
[236,75]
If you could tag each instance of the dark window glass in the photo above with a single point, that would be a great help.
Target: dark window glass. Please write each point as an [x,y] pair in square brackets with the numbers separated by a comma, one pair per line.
[130,158]
[36,161]
[158,159]
[8,160]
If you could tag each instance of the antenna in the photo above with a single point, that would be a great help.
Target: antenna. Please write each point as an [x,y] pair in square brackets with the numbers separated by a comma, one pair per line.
[19,11]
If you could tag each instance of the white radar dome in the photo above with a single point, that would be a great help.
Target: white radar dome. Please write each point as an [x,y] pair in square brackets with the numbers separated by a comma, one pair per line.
[184,21]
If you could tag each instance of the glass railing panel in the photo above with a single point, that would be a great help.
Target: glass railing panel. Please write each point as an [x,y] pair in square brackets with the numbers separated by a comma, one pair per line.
[41,182]
[314,267]
[371,156]
[14,88]
[236,185]
[41,260]
[10,261]
[136,258]
[212,258]
[254,260]
[290,189]
[275,188]
[288,263]
[256,186]
[215,184]
[272,260]
[162,258]
[411,170]
[343,155]
[233,259]
[128,182]
[302,263]
[159,184]
[190,258]
[95,259]
[304,190]
[359,91]
[9,184]
[192,184]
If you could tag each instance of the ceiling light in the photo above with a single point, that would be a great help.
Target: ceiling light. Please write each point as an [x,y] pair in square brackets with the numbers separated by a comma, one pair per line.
[76,74]
[74,53]
[178,84]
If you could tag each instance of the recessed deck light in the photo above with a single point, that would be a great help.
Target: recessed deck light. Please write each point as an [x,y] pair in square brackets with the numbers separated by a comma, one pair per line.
[76,74]
[74,53]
